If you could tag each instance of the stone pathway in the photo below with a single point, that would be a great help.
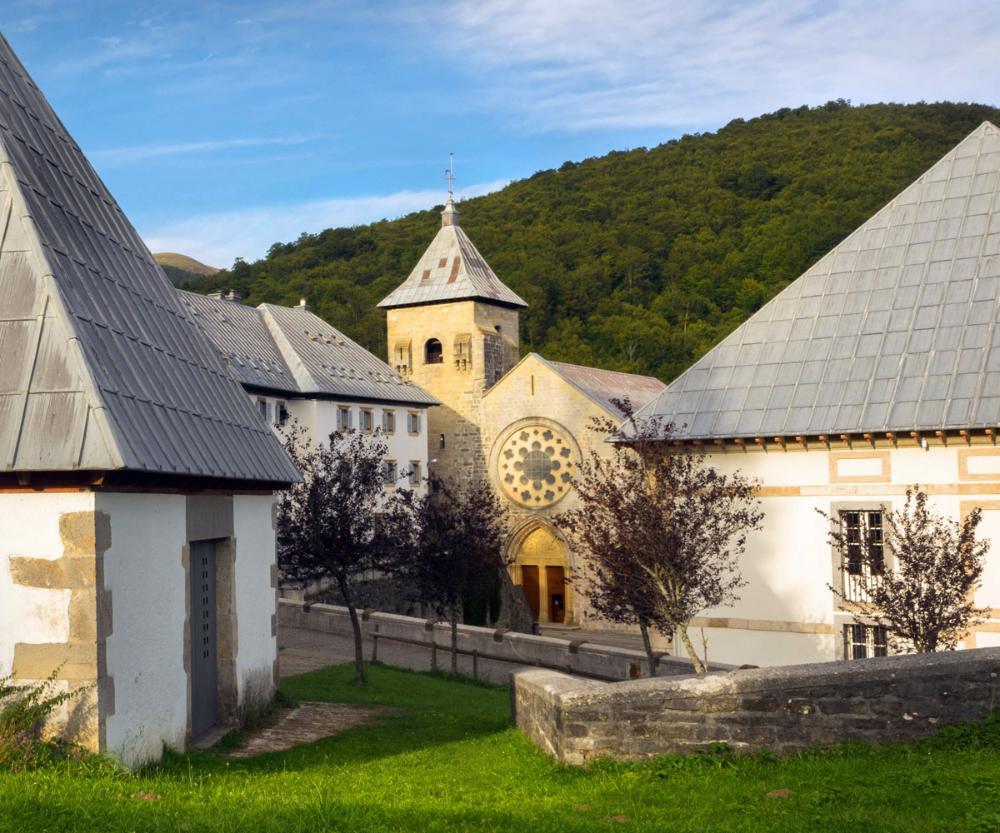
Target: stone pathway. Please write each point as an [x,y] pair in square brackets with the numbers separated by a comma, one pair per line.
[308,723]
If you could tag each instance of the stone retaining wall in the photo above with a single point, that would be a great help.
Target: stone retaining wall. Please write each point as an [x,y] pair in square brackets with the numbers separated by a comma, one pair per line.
[574,656]
[784,709]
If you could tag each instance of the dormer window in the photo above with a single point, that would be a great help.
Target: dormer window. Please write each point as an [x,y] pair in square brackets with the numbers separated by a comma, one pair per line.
[433,354]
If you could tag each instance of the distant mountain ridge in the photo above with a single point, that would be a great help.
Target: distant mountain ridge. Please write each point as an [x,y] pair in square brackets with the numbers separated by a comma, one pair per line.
[639,260]
[182,269]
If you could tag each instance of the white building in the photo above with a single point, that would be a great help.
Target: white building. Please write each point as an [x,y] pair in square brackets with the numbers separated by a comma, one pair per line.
[877,369]
[295,366]
[137,548]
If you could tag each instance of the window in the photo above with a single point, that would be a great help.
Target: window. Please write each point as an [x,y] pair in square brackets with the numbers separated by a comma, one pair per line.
[433,354]
[281,413]
[413,422]
[389,422]
[863,641]
[389,472]
[414,472]
[864,559]
[366,420]
[441,442]
[262,407]
[343,418]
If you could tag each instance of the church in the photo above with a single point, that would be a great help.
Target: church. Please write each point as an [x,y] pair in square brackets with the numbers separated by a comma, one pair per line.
[523,423]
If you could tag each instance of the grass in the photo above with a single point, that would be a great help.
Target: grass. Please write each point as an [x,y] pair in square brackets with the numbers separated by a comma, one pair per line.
[447,759]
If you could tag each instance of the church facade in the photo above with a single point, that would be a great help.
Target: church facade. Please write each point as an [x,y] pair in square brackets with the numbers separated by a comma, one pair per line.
[522,423]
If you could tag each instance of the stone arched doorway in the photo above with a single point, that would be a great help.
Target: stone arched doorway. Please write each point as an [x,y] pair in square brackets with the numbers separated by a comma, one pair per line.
[541,568]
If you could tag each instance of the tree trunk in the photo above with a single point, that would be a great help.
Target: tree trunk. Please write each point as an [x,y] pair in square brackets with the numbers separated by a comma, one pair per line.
[682,631]
[359,651]
[648,645]
[454,640]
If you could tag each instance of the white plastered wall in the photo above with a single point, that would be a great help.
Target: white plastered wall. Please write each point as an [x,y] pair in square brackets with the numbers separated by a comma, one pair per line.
[144,571]
[319,419]
[786,606]
[29,526]
[255,598]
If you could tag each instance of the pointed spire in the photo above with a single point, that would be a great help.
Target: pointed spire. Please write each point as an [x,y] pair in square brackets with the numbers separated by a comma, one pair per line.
[449,217]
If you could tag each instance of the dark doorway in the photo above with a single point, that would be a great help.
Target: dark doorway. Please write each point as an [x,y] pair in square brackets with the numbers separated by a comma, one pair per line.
[555,580]
[529,581]
[204,659]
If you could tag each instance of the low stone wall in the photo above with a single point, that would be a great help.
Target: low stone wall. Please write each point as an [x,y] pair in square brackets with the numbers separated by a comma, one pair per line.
[783,709]
[573,656]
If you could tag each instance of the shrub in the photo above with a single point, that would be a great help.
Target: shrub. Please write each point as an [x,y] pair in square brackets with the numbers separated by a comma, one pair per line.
[23,712]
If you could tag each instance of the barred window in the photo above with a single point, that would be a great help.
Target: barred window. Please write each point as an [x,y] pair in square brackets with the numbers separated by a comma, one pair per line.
[863,560]
[863,641]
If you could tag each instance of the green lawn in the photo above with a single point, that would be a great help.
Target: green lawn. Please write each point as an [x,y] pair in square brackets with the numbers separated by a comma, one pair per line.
[447,759]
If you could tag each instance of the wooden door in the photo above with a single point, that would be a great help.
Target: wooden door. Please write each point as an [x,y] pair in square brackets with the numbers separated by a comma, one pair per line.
[529,582]
[203,648]
[555,587]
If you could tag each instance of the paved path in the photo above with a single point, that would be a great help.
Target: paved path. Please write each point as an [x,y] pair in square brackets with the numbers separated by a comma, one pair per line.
[301,650]
[308,723]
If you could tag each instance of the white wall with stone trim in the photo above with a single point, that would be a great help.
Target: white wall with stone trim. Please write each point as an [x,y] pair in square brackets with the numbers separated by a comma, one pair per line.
[786,613]
[256,645]
[29,526]
[144,571]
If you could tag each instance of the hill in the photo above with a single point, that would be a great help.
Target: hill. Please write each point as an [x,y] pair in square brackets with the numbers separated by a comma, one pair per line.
[182,269]
[640,260]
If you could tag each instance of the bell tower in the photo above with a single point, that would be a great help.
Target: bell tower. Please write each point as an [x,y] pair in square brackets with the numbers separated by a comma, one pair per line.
[453,330]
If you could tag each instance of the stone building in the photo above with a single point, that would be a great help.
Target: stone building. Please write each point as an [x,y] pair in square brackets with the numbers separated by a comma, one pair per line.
[877,369]
[295,366]
[524,424]
[137,548]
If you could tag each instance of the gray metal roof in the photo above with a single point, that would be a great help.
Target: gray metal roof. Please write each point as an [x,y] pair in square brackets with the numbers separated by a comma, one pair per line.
[605,386]
[323,361]
[243,341]
[102,367]
[894,330]
[451,269]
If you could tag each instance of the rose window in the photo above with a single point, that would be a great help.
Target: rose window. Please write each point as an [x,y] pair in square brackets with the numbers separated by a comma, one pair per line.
[536,465]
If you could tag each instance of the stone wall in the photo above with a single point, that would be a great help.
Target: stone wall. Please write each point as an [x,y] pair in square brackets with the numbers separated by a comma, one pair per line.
[784,709]
[519,649]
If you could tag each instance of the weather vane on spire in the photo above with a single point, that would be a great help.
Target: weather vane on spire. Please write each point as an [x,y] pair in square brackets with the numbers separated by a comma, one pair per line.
[449,174]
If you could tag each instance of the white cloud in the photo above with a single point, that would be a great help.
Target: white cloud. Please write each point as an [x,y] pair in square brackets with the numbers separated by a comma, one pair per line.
[220,237]
[139,153]
[581,64]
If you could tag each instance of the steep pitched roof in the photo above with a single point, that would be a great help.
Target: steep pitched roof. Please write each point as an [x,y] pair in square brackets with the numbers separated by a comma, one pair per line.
[606,386]
[894,330]
[451,269]
[102,368]
[325,361]
[243,340]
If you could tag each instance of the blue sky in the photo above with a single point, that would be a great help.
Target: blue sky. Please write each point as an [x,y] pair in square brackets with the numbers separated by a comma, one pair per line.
[222,126]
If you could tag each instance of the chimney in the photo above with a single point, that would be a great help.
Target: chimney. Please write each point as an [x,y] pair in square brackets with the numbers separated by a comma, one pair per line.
[232,296]
[302,305]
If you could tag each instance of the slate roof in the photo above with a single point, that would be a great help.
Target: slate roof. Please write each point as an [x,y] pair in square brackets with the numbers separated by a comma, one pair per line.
[243,341]
[451,269]
[290,351]
[103,370]
[325,361]
[896,329]
[604,386]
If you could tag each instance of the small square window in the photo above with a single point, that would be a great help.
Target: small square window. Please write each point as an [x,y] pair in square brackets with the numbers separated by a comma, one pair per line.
[413,422]
[863,641]
[389,422]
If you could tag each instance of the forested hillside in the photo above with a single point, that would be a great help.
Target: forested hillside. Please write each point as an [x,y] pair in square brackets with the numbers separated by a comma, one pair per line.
[640,260]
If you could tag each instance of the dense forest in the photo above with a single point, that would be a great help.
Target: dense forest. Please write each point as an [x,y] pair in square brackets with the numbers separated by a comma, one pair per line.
[639,260]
